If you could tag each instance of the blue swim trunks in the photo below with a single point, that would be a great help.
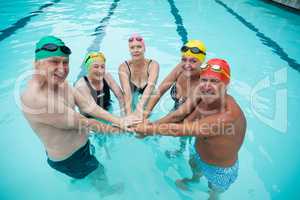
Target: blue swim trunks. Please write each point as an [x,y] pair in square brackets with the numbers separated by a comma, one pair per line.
[219,178]
[80,164]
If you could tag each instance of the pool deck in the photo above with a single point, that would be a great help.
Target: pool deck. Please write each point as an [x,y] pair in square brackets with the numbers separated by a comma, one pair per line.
[289,3]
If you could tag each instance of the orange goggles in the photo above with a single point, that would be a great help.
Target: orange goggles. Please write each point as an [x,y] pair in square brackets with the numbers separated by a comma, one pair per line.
[215,68]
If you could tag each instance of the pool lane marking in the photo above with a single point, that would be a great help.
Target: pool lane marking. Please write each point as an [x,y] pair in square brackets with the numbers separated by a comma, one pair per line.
[263,38]
[99,32]
[181,30]
[5,33]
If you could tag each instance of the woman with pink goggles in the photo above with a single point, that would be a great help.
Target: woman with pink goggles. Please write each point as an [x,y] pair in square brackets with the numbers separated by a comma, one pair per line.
[137,76]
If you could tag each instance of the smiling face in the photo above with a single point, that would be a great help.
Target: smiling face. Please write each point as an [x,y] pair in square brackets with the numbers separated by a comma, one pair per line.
[190,65]
[136,49]
[97,70]
[54,70]
[211,89]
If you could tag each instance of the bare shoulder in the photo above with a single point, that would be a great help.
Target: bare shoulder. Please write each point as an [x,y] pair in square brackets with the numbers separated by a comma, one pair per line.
[122,67]
[123,72]
[231,103]
[175,73]
[178,69]
[69,87]
[154,63]
[234,109]
[80,83]
[32,97]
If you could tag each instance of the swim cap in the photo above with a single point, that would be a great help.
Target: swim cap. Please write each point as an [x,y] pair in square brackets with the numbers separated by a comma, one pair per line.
[92,57]
[138,38]
[41,53]
[194,43]
[217,68]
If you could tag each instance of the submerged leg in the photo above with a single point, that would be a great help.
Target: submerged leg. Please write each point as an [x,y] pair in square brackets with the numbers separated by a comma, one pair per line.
[183,183]
[178,152]
[99,180]
[214,192]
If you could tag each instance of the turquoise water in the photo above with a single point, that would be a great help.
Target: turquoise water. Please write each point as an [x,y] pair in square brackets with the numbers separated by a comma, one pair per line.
[260,41]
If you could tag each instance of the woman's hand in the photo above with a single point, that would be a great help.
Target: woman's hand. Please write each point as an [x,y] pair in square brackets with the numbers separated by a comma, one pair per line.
[126,122]
[136,115]
[130,120]
[141,128]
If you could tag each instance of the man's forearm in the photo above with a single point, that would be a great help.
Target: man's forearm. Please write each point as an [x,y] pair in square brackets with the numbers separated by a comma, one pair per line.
[106,116]
[96,126]
[196,128]
[170,118]
[173,117]
[161,129]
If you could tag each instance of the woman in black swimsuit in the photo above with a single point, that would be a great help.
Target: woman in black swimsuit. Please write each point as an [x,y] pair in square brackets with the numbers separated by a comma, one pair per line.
[138,75]
[98,83]
[183,80]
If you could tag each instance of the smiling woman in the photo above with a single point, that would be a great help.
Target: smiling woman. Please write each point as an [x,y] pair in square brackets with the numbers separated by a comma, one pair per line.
[183,80]
[96,86]
[184,77]
[138,75]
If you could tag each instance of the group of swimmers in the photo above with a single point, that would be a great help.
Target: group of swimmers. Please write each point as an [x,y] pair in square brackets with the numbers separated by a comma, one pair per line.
[202,108]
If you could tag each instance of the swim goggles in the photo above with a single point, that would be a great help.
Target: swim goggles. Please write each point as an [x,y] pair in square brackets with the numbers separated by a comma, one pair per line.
[139,39]
[94,55]
[194,50]
[215,68]
[53,47]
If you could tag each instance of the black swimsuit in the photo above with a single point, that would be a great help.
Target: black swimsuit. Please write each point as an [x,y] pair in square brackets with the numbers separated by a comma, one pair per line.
[101,97]
[135,88]
[177,101]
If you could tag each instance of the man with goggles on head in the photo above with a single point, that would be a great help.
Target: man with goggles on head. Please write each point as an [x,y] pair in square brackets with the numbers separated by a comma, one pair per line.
[48,103]
[218,124]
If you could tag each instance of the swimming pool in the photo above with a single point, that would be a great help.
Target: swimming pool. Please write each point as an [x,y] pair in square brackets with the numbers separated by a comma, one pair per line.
[260,41]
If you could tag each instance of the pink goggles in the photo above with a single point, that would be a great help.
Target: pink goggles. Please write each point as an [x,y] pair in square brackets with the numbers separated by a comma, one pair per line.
[138,38]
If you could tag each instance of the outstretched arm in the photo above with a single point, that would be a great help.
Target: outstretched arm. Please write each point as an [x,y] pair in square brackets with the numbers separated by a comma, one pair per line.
[217,124]
[86,104]
[162,88]
[204,127]
[124,80]
[181,113]
[116,90]
[97,127]
[153,75]
[61,116]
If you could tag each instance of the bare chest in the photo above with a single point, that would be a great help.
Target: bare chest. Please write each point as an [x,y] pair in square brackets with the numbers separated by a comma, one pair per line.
[60,99]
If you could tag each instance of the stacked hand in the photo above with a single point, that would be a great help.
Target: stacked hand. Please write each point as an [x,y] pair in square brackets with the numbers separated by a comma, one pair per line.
[135,122]
[128,121]
[141,129]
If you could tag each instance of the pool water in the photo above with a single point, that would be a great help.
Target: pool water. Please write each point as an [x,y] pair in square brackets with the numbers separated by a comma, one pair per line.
[260,41]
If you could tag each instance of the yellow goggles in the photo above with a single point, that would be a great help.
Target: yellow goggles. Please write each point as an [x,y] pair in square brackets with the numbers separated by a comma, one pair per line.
[95,55]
